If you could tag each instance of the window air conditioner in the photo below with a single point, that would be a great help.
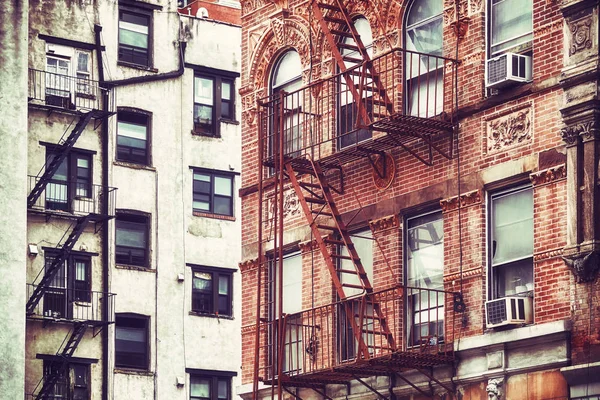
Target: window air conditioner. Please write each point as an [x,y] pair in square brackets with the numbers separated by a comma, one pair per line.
[508,311]
[507,69]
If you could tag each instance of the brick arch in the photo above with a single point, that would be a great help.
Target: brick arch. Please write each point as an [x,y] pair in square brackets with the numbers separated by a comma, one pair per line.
[282,35]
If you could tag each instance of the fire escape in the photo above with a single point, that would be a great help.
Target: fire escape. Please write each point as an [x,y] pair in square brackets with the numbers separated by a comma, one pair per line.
[303,148]
[83,203]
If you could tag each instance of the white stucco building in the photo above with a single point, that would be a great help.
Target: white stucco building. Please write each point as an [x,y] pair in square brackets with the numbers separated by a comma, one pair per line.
[124,280]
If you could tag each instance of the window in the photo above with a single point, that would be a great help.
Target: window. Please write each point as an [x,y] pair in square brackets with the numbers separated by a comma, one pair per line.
[511,242]
[510,25]
[348,116]
[72,282]
[211,291]
[63,81]
[72,181]
[292,303]
[131,341]
[286,78]
[424,69]
[132,239]
[132,137]
[213,192]
[424,278]
[73,383]
[206,387]
[363,243]
[213,101]
[134,37]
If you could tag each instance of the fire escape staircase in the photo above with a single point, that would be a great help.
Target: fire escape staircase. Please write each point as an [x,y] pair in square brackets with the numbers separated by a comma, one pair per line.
[60,367]
[330,232]
[60,259]
[65,146]
[336,24]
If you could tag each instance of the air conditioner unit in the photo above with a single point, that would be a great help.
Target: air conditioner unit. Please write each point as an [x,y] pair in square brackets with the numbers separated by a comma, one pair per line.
[508,311]
[507,69]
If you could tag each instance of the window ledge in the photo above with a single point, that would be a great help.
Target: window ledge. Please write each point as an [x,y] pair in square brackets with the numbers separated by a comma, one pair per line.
[134,268]
[137,372]
[82,303]
[136,66]
[134,165]
[230,121]
[214,216]
[204,134]
[200,314]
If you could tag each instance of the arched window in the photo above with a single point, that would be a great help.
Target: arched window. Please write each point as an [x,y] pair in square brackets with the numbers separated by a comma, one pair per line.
[286,78]
[348,114]
[423,68]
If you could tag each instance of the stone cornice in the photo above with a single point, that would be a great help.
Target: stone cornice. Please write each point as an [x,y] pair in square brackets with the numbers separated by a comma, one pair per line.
[547,255]
[384,223]
[467,274]
[549,175]
[466,199]
[248,265]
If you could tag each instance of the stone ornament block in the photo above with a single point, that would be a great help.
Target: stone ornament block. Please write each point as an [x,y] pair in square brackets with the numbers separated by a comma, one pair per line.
[509,130]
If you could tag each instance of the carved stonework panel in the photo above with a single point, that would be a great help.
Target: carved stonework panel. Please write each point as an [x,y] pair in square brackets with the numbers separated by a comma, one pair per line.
[586,130]
[291,205]
[385,223]
[248,265]
[249,111]
[509,130]
[549,175]
[494,389]
[249,6]
[475,6]
[466,199]
[581,35]
[585,266]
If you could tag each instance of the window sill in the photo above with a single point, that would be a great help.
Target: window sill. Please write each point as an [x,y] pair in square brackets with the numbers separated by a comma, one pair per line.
[138,372]
[230,121]
[136,66]
[134,268]
[200,314]
[214,216]
[134,165]
[82,303]
[205,134]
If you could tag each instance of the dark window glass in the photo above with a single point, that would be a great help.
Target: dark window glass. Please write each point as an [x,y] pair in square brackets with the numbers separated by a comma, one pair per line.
[213,193]
[213,100]
[211,291]
[131,342]
[132,138]
[210,388]
[72,180]
[134,38]
[71,282]
[132,240]
[73,381]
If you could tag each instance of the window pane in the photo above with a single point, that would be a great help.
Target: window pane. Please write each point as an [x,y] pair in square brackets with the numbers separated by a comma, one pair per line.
[225,90]
[422,10]
[512,226]
[202,281]
[223,186]
[131,234]
[203,114]
[511,19]
[80,271]
[82,62]
[225,109]
[132,38]
[514,278]
[222,205]
[223,284]
[203,91]
[425,251]
[200,387]
[131,130]
[202,186]
[292,284]
[223,391]
[288,69]
[364,247]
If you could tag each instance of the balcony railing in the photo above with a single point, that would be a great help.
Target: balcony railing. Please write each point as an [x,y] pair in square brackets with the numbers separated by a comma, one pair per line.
[71,304]
[67,92]
[401,327]
[408,97]
[73,197]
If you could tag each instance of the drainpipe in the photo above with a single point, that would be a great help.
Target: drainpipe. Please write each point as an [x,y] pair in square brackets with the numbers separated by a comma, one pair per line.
[105,211]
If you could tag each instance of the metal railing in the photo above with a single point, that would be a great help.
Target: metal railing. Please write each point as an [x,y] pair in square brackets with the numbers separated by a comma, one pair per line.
[391,321]
[339,112]
[72,304]
[74,197]
[67,92]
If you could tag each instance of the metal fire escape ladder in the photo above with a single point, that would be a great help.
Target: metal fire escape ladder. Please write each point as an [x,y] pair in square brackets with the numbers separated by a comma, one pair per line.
[60,367]
[337,22]
[51,271]
[337,235]
[63,151]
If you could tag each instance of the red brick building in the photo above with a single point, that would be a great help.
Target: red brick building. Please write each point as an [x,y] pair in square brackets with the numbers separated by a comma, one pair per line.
[419,199]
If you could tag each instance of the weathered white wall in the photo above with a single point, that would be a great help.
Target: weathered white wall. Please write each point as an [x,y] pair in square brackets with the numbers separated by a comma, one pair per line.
[13,214]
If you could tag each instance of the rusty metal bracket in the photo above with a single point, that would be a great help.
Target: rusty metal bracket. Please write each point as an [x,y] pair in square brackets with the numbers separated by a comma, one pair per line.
[372,389]
[418,389]
[433,378]
[290,392]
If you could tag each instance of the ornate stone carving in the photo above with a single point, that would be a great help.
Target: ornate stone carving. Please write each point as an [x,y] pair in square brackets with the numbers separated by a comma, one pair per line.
[494,389]
[475,6]
[466,199]
[547,255]
[385,223]
[584,265]
[291,205]
[581,37]
[509,130]
[248,265]
[586,130]
[309,245]
[470,273]
[549,175]
[249,6]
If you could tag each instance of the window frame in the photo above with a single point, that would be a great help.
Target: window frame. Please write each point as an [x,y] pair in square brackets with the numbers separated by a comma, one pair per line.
[218,77]
[139,12]
[212,174]
[132,114]
[140,323]
[521,47]
[136,217]
[68,380]
[214,377]
[413,303]
[216,274]
[493,278]
[71,182]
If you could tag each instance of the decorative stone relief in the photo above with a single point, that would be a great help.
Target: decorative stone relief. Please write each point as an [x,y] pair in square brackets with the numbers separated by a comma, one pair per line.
[249,111]
[248,265]
[495,359]
[549,175]
[466,199]
[385,223]
[291,205]
[249,6]
[581,35]
[585,265]
[548,255]
[494,389]
[307,246]
[475,6]
[509,130]
[586,130]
